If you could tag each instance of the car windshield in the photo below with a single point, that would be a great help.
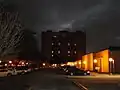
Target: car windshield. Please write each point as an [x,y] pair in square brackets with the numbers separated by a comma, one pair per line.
[22,68]
[74,69]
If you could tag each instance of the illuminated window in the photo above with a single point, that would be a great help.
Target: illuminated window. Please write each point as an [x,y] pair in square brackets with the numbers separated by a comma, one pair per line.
[68,51]
[75,44]
[75,52]
[68,44]
[52,43]
[59,43]
[68,55]
[59,52]
[52,55]
[52,51]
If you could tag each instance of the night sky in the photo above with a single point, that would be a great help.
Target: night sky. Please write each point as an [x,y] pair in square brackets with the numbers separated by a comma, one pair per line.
[99,18]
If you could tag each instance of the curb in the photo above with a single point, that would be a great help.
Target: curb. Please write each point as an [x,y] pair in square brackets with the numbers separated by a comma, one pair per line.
[80,85]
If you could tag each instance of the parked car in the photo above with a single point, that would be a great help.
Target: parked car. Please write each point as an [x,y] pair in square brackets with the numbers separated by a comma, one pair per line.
[76,71]
[68,67]
[19,70]
[23,70]
[7,72]
[27,69]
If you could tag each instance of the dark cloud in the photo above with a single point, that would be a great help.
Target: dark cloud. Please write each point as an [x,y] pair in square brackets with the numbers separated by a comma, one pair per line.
[100,18]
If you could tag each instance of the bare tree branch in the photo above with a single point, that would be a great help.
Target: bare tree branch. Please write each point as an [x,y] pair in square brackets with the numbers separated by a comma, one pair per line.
[10,32]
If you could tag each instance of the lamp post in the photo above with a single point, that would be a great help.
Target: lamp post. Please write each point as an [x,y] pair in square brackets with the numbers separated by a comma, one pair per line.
[95,61]
[111,65]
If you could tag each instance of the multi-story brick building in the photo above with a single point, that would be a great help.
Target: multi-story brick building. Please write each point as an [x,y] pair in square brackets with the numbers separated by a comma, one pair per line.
[63,46]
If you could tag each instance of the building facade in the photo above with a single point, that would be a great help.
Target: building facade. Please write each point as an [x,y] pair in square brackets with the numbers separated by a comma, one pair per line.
[103,61]
[63,46]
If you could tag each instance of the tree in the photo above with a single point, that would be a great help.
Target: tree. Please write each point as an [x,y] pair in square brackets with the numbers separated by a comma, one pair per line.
[10,32]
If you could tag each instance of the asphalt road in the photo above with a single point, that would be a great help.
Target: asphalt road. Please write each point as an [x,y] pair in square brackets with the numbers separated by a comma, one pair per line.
[40,80]
[99,83]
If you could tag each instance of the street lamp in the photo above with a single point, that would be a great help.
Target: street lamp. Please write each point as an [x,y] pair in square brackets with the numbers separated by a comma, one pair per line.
[110,59]
[95,61]
[111,65]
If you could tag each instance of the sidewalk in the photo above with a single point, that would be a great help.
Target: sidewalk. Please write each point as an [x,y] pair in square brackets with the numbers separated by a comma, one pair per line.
[108,75]
[98,74]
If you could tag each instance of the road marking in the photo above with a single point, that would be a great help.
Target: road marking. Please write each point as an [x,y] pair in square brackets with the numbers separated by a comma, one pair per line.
[80,85]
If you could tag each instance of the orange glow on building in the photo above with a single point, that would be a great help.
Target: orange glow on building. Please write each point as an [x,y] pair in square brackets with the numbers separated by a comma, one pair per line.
[71,63]
[84,62]
[102,61]
[78,63]
[95,61]
[87,62]
[90,61]
[107,61]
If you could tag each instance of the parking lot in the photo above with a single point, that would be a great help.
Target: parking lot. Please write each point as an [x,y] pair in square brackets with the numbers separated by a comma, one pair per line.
[44,79]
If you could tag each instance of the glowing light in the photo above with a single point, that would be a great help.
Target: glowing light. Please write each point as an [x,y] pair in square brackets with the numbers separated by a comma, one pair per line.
[43,64]
[71,63]
[27,63]
[75,52]
[80,62]
[10,61]
[68,51]
[84,62]
[59,43]
[0,61]
[58,52]
[95,61]
[55,65]
[110,59]
[52,51]
[68,44]
[68,55]
[62,64]
[23,63]
[75,63]
[88,71]
[54,36]
[5,64]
